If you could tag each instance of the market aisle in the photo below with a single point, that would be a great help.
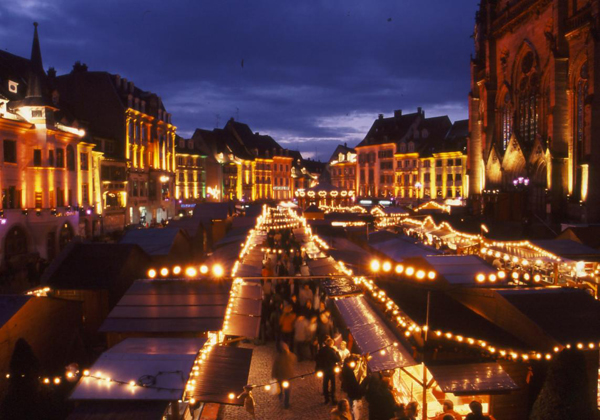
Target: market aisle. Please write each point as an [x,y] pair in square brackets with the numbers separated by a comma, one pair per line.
[306,401]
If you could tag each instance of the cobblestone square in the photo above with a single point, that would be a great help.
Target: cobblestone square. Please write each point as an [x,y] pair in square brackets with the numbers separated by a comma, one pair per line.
[306,400]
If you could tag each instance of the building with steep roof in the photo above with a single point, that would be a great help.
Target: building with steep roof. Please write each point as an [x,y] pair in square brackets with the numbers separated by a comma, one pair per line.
[49,170]
[410,157]
[134,131]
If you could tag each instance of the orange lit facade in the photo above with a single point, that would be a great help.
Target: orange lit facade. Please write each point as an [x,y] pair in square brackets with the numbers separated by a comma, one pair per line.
[49,173]
[134,131]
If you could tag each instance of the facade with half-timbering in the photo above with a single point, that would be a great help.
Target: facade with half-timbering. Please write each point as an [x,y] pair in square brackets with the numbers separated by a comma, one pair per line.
[534,121]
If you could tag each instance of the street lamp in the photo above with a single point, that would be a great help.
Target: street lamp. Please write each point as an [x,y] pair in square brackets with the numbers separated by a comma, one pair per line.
[418,186]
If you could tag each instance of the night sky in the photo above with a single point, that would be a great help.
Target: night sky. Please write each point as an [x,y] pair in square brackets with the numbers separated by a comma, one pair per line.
[312,74]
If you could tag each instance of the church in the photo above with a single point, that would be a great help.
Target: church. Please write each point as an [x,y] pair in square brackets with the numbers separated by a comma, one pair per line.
[534,121]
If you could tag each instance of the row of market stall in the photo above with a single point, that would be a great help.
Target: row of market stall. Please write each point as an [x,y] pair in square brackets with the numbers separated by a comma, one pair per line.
[463,326]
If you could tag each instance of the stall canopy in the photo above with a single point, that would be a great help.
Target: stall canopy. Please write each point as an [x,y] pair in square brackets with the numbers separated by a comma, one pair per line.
[224,371]
[323,267]
[399,248]
[163,363]
[473,379]
[340,286]
[460,269]
[245,311]
[372,335]
[170,306]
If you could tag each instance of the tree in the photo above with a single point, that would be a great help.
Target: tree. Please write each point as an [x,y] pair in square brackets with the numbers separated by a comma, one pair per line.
[22,399]
[566,393]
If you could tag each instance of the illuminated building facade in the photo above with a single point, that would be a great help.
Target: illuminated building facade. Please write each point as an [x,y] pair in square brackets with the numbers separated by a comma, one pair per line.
[243,165]
[190,170]
[49,171]
[134,131]
[410,157]
[532,108]
[342,169]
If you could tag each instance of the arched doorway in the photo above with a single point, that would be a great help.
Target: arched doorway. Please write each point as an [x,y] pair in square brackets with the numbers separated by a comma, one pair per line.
[65,235]
[15,243]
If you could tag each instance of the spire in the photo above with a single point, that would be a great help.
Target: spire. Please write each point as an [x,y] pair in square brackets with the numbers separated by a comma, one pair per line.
[37,75]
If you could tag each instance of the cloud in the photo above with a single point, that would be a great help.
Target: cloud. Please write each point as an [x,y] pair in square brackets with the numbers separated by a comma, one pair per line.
[314,72]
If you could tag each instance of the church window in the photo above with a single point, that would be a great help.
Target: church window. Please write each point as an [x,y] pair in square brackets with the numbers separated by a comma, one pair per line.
[528,109]
[506,122]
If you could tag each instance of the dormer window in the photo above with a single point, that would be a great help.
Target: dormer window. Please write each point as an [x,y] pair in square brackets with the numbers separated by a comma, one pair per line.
[12,86]
[341,157]
[190,144]
[411,147]
[403,148]
[181,143]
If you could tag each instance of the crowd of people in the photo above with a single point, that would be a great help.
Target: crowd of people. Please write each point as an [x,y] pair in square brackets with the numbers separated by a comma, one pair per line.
[297,318]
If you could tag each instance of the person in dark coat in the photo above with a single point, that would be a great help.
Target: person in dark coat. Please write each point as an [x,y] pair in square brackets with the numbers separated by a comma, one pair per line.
[324,327]
[349,383]
[327,359]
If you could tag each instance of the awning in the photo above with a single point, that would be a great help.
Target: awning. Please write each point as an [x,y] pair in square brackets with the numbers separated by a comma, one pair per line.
[141,359]
[224,371]
[372,335]
[472,379]
[244,320]
[170,306]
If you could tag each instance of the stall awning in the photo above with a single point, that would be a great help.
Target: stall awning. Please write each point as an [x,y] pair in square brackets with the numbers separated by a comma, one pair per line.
[245,311]
[164,362]
[170,306]
[224,371]
[372,335]
[472,379]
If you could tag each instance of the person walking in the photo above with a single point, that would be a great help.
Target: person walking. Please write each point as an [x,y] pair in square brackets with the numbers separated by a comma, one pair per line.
[342,411]
[283,371]
[286,325]
[327,359]
[301,332]
[305,295]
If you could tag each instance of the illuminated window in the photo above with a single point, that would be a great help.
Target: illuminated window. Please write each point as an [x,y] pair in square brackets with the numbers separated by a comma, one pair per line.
[38,200]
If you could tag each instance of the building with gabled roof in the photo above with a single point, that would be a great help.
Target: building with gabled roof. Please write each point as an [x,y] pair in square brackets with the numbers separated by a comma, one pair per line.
[49,169]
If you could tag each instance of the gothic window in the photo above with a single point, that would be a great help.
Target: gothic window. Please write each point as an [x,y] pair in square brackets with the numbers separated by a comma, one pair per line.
[582,91]
[528,93]
[506,121]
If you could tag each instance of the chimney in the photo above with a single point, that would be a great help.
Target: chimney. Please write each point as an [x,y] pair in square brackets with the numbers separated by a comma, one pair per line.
[124,83]
[131,86]
[397,113]
[52,72]
[421,112]
[381,116]
[117,80]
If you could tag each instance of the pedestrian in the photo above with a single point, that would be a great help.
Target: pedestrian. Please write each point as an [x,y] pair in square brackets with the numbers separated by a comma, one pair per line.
[477,412]
[301,337]
[342,411]
[448,408]
[324,327]
[286,325]
[327,360]
[350,384]
[305,295]
[283,371]
[343,351]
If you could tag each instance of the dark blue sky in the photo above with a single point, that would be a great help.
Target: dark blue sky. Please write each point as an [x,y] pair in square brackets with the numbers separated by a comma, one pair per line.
[315,73]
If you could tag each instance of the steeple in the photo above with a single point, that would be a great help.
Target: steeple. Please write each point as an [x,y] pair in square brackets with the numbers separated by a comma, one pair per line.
[37,76]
